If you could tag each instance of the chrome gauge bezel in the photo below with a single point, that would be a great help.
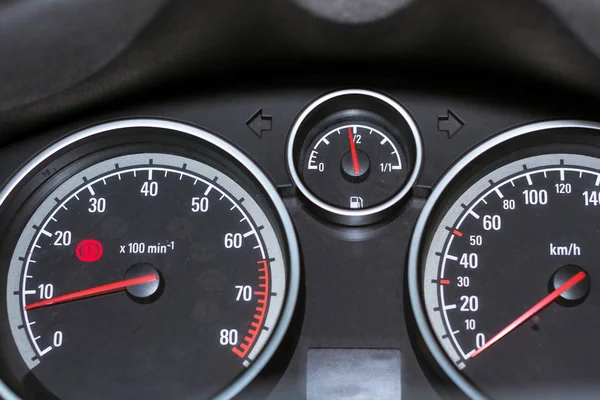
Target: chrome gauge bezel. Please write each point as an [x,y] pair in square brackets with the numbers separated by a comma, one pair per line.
[421,232]
[298,133]
[251,169]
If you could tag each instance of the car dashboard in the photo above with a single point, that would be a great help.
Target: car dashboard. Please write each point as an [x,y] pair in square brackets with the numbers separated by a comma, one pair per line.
[299,199]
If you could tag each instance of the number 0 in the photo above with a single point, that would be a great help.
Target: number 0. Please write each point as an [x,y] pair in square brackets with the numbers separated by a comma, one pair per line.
[57,340]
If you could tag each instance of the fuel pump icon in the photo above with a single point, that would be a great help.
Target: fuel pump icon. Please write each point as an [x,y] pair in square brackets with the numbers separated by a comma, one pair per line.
[356,202]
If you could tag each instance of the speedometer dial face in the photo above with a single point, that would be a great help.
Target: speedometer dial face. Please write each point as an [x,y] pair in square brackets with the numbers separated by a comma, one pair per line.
[507,275]
[147,275]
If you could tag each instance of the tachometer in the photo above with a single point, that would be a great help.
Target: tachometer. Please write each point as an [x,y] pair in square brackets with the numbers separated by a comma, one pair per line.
[146,270]
[503,264]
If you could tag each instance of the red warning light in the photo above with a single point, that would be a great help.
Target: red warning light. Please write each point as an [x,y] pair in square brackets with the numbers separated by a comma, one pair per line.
[89,250]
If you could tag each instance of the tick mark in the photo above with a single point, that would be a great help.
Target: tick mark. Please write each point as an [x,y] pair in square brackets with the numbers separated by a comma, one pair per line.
[474,214]
[529,181]
[46,350]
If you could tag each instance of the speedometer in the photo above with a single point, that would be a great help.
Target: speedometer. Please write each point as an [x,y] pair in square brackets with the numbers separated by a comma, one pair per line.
[145,269]
[502,271]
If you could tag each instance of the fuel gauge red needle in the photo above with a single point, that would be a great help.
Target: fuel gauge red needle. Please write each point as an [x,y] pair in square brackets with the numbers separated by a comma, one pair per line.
[532,311]
[96,291]
[355,162]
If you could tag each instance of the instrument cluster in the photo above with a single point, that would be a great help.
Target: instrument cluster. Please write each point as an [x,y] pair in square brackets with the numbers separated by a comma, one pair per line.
[311,244]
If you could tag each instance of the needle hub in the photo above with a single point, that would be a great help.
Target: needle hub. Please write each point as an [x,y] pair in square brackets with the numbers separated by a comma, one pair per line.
[576,294]
[348,170]
[148,291]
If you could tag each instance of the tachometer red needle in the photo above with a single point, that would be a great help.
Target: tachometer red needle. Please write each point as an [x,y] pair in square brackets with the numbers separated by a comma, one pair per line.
[353,151]
[97,291]
[532,311]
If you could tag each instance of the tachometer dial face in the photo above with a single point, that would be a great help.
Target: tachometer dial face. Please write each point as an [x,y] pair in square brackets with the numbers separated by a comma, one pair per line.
[507,275]
[147,275]
[355,165]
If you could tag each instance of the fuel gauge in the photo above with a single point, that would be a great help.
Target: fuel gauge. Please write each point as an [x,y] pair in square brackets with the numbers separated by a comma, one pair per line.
[355,165]
[354,154]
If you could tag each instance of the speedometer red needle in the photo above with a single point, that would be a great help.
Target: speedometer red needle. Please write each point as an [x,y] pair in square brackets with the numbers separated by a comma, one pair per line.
[353,151]
[532,311]
[97,291]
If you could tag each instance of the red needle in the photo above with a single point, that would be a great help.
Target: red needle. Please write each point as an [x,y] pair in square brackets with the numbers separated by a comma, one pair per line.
[532,311]
[97,291]
[353,151]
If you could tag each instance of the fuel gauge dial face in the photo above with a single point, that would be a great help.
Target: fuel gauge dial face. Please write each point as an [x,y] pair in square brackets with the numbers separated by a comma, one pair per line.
[355,165]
